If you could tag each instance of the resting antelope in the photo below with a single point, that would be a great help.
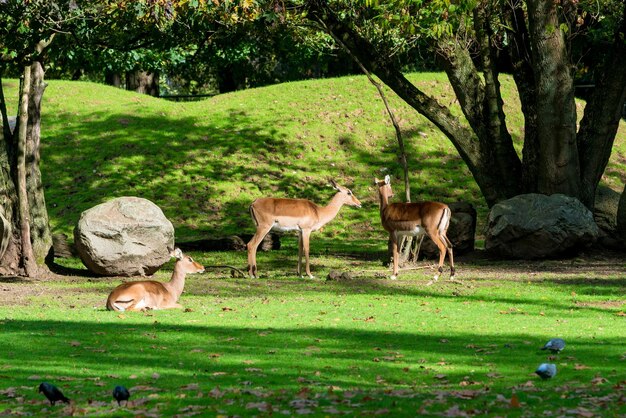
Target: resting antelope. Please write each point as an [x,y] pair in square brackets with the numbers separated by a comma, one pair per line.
[304,216]
[150,294]
[415,219]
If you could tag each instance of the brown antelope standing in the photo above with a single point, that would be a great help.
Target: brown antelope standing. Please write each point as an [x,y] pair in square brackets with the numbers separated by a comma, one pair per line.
[304,216]
[415,219]
[150,294]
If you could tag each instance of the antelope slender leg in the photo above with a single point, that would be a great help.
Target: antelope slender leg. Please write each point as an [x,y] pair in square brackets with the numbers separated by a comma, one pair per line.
[442,255]
[299,270]
[306,234]
[253,244]
[394,247]
[450,256]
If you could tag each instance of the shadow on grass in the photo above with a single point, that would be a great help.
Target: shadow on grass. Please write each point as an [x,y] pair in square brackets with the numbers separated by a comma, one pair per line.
[280,357]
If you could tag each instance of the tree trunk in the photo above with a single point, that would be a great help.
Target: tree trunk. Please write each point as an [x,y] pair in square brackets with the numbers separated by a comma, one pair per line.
[22,202]
[28,259]
[558,165]
[600,122]
[519,52]
[10,259]
[39,225]
[113,79]
[143,82]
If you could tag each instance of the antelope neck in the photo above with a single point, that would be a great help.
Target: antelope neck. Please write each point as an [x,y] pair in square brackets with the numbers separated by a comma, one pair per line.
[177,283]
[384,200]
[327,213]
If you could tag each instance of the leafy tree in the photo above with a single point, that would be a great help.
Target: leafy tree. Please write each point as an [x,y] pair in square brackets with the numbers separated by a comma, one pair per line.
[470,37]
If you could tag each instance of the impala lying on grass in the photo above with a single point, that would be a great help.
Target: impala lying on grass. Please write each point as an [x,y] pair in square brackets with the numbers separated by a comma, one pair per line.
[150,294]
[415,219]
[304,216]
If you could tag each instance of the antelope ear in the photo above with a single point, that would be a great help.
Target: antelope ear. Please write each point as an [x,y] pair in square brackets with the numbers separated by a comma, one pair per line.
[376,181]
[177,253]
[334,184]
[387,179]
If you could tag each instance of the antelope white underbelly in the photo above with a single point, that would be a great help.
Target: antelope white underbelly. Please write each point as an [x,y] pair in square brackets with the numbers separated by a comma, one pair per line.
[284,228]
[416,232]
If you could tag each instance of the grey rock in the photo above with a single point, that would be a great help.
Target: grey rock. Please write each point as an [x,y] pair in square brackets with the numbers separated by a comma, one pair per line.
[605,208]
[534,226]
[126,236]
[605,213]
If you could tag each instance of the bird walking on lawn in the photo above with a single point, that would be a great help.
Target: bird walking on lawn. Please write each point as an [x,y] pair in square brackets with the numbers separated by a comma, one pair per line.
[52,393]
[120,393]
[555,345]
[546,370]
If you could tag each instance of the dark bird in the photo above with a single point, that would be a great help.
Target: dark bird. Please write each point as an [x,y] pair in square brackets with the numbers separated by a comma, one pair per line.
[52,393]
[555,345]
[546,370]
[120,393]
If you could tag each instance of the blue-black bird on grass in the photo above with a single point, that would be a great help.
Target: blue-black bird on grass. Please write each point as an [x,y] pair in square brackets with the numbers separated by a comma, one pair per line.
[120,393]
[52,393]
[555,345]
[546,370]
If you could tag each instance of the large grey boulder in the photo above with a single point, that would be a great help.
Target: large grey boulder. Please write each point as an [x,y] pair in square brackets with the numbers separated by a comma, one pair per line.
[461,231]
[535,226]
[605,214]
[127,236]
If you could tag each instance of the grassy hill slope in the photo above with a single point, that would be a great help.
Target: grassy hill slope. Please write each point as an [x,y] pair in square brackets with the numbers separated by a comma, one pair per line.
[204,162]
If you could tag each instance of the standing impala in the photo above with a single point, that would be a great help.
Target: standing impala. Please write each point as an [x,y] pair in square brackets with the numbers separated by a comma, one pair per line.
[304,216]
[150,294]
[415,219]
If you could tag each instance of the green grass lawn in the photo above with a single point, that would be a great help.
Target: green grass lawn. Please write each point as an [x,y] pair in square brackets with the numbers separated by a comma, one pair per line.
[282,345]
[365,346]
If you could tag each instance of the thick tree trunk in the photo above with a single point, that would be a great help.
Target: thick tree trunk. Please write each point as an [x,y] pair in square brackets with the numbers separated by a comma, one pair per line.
[603,112]
[39,225]
[143,82]
[558,165]
[519,52]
